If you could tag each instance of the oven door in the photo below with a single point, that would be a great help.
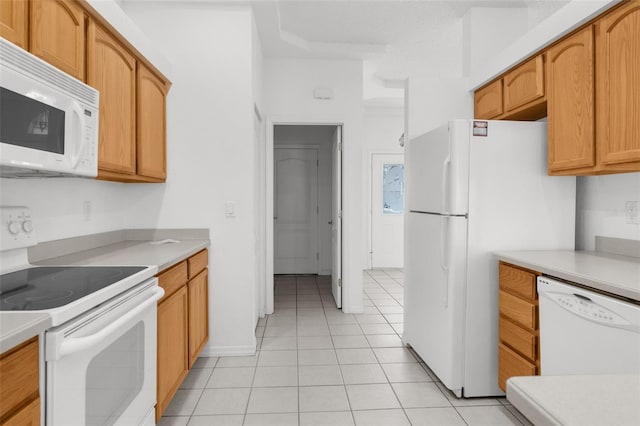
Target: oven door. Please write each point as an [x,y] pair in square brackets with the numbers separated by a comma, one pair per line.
[101,367]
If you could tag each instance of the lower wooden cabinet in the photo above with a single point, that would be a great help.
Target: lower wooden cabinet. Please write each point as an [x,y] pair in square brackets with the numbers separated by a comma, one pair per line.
[173,339]
[19,385]
[198,314]
[183,324]
[518,331]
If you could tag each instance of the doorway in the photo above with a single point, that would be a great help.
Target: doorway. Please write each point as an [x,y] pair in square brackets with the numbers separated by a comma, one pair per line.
[307,202]
[387,211]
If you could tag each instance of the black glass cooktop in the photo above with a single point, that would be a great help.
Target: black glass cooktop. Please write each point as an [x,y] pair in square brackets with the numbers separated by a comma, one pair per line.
[34,289]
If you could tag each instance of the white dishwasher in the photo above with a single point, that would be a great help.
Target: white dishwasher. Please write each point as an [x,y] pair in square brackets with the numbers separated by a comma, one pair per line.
[584,332]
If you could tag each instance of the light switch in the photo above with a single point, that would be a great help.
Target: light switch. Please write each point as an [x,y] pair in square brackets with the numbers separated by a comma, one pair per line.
[230,209]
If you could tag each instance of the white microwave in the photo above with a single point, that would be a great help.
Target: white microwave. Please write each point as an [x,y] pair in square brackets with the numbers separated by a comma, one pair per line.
[48,119]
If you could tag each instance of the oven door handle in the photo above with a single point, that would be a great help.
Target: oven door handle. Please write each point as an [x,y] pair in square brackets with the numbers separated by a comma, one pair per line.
[77,344]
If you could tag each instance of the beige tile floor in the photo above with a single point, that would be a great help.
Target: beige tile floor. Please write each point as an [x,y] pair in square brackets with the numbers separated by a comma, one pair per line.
[318,366]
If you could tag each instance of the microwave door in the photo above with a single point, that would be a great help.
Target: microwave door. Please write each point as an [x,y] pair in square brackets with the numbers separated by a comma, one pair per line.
[31,124]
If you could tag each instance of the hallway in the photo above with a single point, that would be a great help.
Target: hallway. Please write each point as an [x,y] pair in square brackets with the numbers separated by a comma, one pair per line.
[318,366]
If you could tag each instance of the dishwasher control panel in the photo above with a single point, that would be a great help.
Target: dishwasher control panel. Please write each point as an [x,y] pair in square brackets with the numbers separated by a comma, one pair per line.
[581,302]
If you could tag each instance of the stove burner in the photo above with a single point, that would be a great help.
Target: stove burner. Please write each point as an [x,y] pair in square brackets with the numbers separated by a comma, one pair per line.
[42,298]
[35,289]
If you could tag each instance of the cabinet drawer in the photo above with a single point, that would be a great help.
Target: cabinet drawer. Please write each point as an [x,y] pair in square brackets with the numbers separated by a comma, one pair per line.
[511,364]
[518,310]
[172,279]
[28,416]
[488,101]
[524,84]
[18,376]
[519,339]
[198,262]
[517,281]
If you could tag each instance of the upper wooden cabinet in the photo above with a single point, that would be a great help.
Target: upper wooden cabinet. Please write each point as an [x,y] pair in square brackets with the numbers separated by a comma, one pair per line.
[588,86]
[151,124]
[488,101]
[132,134]
[518,95]
[112,70]
[14,21]
[57,34]
[524,84]
[618,88]
[570,92]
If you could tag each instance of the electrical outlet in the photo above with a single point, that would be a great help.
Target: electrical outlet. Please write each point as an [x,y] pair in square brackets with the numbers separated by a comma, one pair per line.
[86,210]
[632,212]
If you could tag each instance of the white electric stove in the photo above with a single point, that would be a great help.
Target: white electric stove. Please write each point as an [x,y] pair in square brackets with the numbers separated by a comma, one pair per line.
[99,358]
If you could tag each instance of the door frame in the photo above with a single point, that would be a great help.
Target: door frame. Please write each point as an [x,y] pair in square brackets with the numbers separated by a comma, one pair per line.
[269,183]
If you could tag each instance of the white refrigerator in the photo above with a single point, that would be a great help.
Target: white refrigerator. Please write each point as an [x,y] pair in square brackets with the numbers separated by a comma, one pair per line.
[472,188]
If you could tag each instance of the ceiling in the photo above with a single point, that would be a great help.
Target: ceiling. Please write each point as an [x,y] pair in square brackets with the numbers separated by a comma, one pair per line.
[367,29]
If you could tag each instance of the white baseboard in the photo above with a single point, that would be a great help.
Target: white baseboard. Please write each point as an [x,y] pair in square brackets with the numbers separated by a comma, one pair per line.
[244,350]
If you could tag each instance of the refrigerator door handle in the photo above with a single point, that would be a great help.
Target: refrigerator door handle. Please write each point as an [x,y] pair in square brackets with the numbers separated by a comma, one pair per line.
[445,183]
[444,261]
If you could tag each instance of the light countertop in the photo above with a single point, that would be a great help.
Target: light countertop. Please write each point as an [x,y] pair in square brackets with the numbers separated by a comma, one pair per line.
[615,274]
[17,327]
[125,253]
[577,400]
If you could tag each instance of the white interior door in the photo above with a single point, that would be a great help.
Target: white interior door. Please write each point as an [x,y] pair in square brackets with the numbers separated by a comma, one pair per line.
[296,211]
[387,211]
[336,218]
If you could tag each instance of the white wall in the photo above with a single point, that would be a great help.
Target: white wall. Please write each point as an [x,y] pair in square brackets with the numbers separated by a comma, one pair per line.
[57,205]
[321,136]
[289,85]
[382,129]
[487,30]
[210,151]
[600,208]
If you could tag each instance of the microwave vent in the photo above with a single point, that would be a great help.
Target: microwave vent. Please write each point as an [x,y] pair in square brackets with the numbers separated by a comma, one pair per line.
[24,62]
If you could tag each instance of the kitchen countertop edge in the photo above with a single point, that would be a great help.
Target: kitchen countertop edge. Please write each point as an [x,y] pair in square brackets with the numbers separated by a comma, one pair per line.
[569,272]
[17,328]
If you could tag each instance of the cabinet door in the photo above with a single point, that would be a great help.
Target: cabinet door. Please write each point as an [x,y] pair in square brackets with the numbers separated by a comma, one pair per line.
[618,85]
[198,315]
[14,21]
[488,101]
[112,70]
[524,84]
[173,356]
[151,116]
[58,34]
[570,106]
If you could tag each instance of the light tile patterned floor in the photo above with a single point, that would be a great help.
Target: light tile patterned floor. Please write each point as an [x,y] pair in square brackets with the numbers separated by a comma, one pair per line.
[318,366]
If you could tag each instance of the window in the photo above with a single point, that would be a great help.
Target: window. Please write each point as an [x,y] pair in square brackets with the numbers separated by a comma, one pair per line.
[392,188]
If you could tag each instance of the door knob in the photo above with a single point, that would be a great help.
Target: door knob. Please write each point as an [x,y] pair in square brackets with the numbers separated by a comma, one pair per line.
[330,222]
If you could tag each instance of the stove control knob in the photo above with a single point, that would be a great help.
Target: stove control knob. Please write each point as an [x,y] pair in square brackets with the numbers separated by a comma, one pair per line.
[14,227]
[27,226]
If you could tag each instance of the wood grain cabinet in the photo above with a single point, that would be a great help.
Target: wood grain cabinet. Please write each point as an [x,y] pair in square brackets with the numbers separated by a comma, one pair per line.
[151,124]
[524,85]
[488,101]
[14,21]
[57,34]
[183,324]
[618,88]
[112,70]
[570,102]
[518,348]
[19,389]
[517,95]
